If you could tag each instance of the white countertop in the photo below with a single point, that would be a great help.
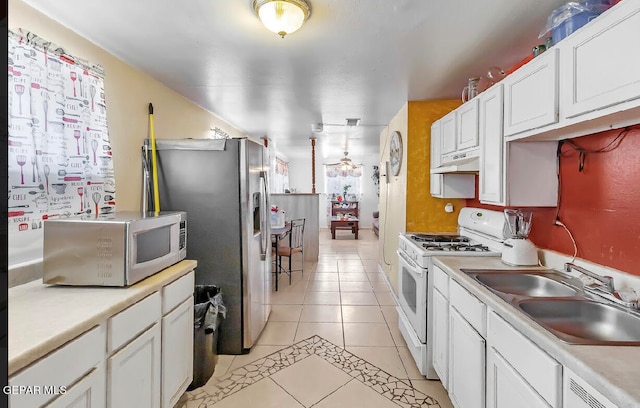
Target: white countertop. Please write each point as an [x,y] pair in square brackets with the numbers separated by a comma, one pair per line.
[42,317]
[612,370]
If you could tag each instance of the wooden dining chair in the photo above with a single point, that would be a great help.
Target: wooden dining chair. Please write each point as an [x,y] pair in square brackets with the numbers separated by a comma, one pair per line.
[292,244]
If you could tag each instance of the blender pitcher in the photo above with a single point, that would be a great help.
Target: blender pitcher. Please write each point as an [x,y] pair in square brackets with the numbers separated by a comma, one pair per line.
[519,223]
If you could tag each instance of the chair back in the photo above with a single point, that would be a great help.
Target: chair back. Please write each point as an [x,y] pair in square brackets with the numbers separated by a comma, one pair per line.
[296,235]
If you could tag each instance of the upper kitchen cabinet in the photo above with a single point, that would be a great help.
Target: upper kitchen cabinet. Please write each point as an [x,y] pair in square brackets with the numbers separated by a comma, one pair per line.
[514,173]
[467,132]
[598,81]
[600,65]
[448,128]
[531,95]
[443,131]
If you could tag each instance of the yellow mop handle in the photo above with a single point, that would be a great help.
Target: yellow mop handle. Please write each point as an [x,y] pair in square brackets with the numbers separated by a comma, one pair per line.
[154,163]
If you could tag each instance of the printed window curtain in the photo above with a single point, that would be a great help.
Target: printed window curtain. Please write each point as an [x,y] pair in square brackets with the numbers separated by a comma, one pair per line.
[337,176]
[59,153]
[281,182]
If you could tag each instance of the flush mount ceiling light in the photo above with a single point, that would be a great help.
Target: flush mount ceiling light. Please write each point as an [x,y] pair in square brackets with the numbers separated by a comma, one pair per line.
[282,16]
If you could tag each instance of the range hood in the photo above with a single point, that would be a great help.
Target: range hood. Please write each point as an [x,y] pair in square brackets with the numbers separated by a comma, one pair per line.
[467,161]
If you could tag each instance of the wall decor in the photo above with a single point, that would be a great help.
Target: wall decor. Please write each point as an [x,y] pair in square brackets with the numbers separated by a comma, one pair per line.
[59,154]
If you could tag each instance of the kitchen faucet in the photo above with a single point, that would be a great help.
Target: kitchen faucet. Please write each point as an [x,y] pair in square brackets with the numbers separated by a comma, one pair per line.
[628,299]
[606,281]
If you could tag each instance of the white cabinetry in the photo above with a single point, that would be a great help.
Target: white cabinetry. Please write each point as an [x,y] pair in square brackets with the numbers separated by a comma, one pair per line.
[600,65]
[534,367]
[466,363]
[531,95]
[440,325]
[506,388]
[61,368]
[467,321]
[467,132]
[448,133]
[141,356]
[177,339]
[515,173]
[578,394]
[491,146]
[134,372]
[447,185]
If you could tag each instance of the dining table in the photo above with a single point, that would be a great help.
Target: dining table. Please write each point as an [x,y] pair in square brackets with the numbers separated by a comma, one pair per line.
[278,233]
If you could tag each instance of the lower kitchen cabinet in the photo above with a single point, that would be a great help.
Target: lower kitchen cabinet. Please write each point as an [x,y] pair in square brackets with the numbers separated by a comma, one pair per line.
[506,388]
[177,352]
[89,392]
[134,372]
[441,337]
[139,357]
[466,363]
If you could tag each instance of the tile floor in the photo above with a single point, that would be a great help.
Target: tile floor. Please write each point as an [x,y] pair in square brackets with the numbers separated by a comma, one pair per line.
[331,341]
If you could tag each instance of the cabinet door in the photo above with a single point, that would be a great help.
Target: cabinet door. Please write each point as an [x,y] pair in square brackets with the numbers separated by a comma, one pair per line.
[177,352]
[448,133]
[441,337]
[467,132]
[600,63]
[491,146]
[89,392]
[531,95]
[133,373]
[435,144]
[466,363]
[506,388]
[435,185]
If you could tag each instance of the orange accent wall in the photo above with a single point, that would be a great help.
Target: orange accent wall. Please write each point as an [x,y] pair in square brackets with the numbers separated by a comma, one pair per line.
[600,205]
[426,213]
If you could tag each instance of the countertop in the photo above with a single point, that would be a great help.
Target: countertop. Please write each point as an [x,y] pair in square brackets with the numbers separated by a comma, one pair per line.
[43,317]
[612,370]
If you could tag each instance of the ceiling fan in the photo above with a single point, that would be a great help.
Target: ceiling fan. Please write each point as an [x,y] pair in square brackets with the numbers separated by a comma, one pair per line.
[345,162]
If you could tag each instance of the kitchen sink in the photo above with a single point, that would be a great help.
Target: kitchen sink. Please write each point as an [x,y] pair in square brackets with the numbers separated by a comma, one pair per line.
[584,321]
[521,283]
[560,304]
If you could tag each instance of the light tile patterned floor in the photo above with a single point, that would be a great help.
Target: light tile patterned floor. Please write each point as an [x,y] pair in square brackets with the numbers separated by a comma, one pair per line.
[331,341]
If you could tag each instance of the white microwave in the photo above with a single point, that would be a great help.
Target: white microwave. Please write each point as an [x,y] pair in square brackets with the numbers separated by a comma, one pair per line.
[117,249]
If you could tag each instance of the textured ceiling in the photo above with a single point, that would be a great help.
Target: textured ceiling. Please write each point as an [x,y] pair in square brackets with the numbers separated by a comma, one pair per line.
[352,59]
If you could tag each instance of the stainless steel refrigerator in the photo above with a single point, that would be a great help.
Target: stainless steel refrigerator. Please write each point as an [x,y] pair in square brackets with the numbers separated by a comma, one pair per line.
[222,184]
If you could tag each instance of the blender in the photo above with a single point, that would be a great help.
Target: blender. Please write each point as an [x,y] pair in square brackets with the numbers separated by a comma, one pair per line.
[518,250]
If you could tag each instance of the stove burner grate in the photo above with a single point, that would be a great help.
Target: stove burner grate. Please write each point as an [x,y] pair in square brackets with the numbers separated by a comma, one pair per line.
[455,247]
[438,238]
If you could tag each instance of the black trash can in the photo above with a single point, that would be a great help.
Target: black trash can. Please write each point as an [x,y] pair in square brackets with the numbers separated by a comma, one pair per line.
[208,309]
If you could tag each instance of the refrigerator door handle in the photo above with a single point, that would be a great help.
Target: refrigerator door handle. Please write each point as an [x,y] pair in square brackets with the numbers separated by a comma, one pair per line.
[264,214]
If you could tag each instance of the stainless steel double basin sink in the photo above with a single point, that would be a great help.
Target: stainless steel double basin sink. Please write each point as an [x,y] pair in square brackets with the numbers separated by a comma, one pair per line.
[559,303]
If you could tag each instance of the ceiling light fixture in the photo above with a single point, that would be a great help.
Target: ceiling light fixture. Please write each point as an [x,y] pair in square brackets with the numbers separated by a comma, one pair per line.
[282,16]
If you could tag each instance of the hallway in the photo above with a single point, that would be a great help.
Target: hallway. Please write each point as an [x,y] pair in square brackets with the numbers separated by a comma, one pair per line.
[348,306]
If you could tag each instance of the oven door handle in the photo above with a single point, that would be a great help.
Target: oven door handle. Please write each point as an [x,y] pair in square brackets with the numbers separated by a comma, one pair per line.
[408,261]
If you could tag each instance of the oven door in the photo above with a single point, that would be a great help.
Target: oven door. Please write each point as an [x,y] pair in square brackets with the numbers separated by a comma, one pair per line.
[412,296]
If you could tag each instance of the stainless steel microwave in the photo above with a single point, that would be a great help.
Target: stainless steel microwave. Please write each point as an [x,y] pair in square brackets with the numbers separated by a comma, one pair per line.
[117,249]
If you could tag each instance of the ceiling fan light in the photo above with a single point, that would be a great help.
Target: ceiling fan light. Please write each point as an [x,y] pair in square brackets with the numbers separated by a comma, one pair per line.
[282,16]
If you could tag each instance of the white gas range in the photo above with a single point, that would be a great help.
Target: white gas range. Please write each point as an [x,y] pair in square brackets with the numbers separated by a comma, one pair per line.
[480,233]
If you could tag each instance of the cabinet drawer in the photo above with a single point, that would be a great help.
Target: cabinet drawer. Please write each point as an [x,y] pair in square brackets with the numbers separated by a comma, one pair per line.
[542,372]
[127,324]
[473,310]
[176,292]
[60,368]
[441,281]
